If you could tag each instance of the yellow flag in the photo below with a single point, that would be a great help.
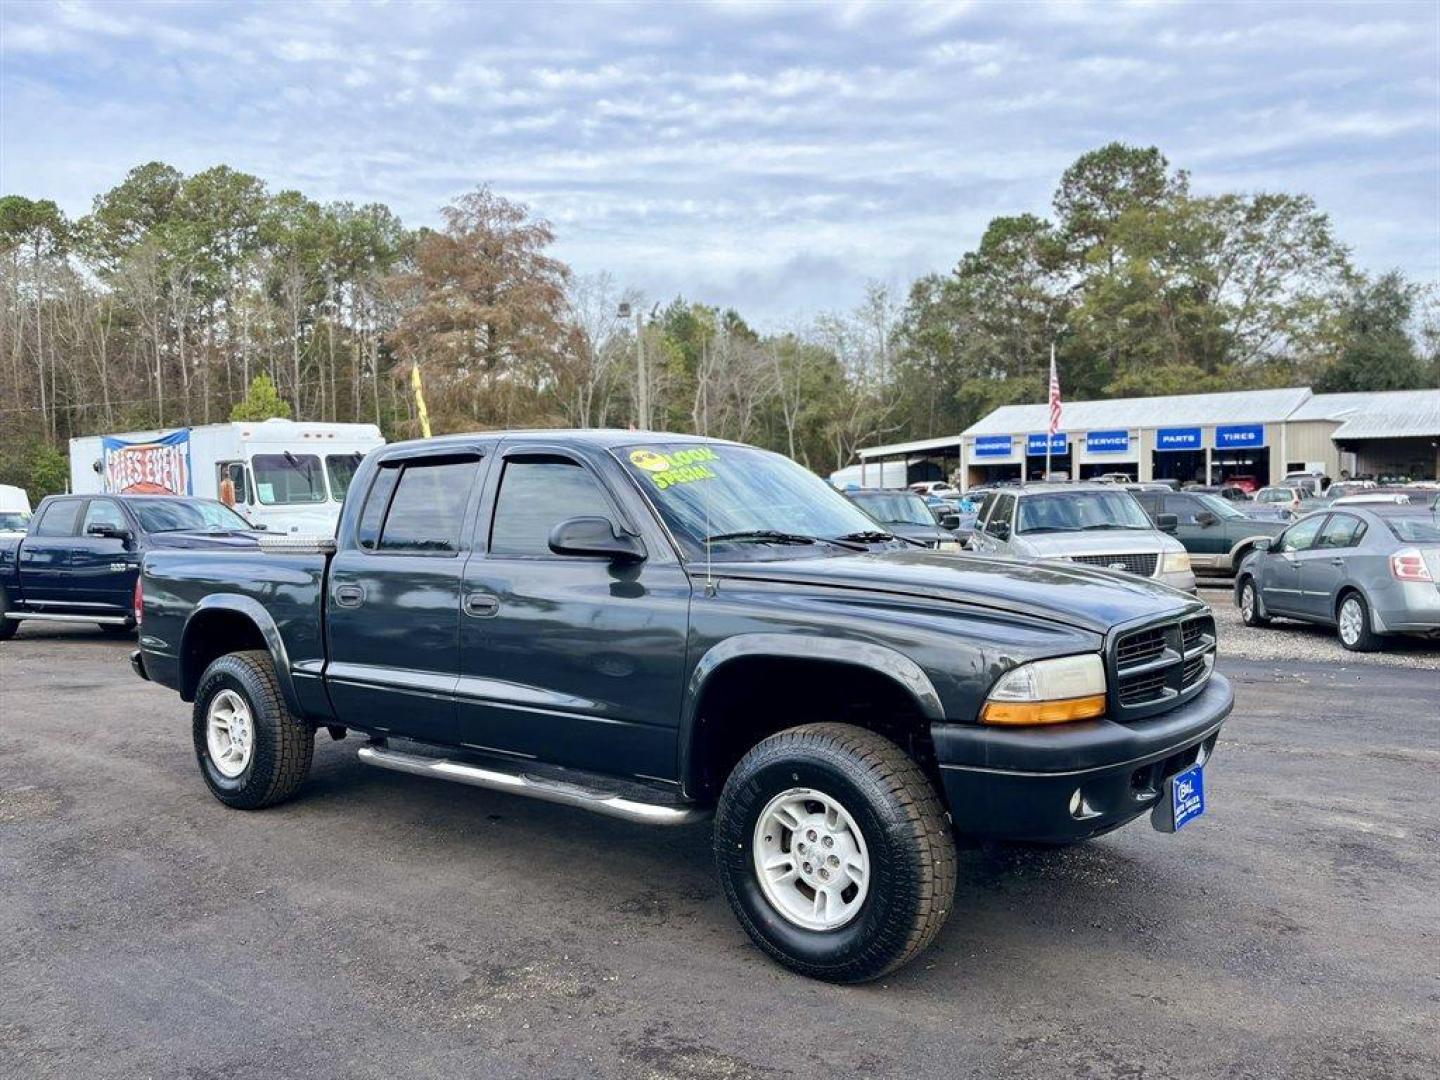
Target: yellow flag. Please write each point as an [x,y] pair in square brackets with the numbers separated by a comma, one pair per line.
[419,400]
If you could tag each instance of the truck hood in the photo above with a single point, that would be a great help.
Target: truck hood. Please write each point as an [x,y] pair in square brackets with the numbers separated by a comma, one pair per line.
[1079,596]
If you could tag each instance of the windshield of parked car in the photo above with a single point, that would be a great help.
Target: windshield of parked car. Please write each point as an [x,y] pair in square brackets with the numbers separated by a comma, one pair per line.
[341,469]
[1221,508]
[284,479]
[175,515]
[1420,529]
[751,503]
[1276,495]
[14,519]
[895,508]
[1079,511]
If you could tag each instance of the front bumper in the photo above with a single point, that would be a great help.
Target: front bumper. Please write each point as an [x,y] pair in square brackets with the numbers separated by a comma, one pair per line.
[1072,781]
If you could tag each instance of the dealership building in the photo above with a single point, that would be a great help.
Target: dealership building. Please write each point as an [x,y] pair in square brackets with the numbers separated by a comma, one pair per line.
[1261,434]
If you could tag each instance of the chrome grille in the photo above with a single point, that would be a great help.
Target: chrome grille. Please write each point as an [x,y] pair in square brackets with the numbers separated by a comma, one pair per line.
[1154,667]
[1143,565]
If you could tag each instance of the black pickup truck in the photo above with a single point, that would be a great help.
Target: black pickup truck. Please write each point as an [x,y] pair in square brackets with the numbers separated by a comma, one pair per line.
[661,628]
[79,558]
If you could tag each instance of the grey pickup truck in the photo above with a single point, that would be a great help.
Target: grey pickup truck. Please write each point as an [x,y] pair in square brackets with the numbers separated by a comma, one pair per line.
[665,628]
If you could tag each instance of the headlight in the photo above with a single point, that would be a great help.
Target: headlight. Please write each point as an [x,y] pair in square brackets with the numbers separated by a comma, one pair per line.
[1048,692]
[1175,562]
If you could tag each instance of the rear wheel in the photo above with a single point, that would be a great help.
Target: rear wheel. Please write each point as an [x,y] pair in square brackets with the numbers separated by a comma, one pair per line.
[1251,613]
[834,852]
[7,626]
[253,752]
[1352,624]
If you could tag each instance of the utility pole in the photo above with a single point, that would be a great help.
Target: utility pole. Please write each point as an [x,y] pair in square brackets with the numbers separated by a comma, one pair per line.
[642,376]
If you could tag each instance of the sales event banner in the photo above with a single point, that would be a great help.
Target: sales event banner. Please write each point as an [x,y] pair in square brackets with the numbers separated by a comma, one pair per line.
[158,467]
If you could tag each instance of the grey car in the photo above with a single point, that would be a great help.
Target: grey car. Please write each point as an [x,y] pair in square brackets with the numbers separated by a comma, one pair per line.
[1367,570]
[1095,524]
[905,514]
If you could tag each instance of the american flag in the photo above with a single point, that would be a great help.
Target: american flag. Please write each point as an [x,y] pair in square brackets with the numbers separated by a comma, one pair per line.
[1054,395]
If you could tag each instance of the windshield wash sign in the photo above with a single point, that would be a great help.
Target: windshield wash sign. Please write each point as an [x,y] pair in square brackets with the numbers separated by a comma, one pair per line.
[1059,444]
[1107,442]
[1237,436]
[1177,438]
[994,446]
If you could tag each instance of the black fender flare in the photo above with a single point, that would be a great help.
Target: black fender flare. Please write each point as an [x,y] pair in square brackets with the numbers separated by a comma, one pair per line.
[881,659]
[255,612]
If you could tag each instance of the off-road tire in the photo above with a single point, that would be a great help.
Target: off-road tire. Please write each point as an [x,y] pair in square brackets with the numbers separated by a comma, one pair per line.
[1257,616]
[905,828]
[283,744]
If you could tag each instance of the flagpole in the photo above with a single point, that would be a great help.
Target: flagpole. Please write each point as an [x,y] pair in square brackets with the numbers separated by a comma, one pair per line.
[1049,434]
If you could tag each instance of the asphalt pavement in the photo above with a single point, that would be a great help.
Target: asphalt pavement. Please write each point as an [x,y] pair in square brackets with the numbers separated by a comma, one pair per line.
[383,925]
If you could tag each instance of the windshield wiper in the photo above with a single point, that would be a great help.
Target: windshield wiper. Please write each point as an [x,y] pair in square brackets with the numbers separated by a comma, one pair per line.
[1111,525]
[762,536]
[1049,529]
[865,536]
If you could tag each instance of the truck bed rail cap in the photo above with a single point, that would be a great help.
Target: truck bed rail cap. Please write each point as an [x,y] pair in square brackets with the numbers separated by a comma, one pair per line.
[295,543]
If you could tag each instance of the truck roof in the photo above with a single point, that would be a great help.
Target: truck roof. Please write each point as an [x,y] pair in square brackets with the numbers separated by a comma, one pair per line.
[604,438]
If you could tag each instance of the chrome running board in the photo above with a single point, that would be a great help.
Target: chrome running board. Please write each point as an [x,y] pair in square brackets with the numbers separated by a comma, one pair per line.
[104,620]
[534,787]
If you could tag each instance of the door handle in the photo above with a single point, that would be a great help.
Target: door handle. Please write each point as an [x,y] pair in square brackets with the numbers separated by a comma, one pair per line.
[481,605]
[349,595]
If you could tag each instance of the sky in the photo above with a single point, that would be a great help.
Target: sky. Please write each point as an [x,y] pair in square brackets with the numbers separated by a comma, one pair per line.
[773,157]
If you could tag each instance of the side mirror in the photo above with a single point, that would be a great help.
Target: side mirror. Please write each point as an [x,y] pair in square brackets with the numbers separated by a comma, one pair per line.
[595,537]
[1000,530]
[1263,544]
[108,532]
[950,521]
[1205,519]
[1167,523]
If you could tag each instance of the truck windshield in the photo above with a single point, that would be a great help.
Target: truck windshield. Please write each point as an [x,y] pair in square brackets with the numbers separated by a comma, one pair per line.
[175,515]
[1078,511]
[341,469]
[1221,508]
[14,519]
[895,508]
[285,479]
[752,503]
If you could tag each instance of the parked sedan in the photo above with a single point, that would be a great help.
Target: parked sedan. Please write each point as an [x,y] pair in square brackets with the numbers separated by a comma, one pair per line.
[1366,570]
[1283,497]
[1217,535]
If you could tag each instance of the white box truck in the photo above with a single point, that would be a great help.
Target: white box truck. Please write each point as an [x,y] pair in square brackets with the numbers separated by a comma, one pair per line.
[289,476]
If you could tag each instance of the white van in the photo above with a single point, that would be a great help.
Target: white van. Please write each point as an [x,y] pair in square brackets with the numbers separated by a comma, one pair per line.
[14,508]
[289,476]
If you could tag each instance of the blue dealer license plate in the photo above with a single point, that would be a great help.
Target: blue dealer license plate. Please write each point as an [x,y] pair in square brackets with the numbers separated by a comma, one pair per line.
[1187,794]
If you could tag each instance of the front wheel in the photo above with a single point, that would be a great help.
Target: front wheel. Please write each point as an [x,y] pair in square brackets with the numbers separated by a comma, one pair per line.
[834,852]
[1352,624]
[253,752]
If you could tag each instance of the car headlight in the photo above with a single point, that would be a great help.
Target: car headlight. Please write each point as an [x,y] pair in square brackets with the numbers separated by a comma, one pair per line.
[1175,562]
[1048,692]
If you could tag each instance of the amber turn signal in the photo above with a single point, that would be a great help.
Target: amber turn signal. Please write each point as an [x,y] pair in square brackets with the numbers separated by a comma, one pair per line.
[1022,713]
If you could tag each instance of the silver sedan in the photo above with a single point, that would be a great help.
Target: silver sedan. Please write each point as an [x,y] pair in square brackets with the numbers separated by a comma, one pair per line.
[1365,570]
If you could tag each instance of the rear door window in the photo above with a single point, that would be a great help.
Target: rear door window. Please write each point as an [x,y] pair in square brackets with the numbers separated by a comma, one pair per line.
[422,511]
[59,518]
[1341,531]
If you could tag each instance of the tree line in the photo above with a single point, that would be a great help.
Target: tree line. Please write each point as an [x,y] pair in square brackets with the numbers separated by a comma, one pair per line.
[191,299]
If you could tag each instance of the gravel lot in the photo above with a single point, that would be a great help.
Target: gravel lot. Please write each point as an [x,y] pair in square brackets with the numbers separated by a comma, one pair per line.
[383,925]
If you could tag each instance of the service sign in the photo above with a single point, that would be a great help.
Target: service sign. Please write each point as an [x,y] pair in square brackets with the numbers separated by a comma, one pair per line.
[994,446]
[1238,436]
[1177,438]
[1059,444]
[1107,442]
[161,467]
